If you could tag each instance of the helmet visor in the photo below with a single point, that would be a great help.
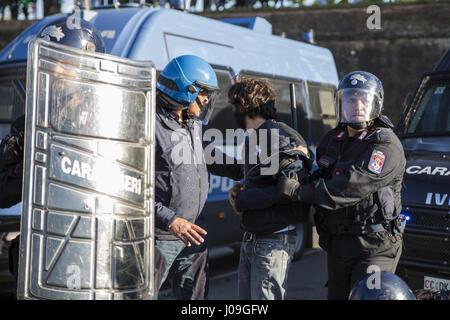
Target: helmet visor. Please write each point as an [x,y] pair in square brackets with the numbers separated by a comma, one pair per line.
[358,105]
[205,100]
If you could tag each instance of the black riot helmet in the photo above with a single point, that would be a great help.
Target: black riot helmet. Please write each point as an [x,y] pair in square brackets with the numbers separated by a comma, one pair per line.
[75,32]
[359,99]
[387,286]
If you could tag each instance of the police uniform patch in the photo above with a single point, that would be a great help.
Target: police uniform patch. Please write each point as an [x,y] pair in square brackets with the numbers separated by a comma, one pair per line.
[324,162]
[377,161]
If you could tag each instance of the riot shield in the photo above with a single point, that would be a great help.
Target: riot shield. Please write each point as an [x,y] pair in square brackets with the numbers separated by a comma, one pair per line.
[87,229]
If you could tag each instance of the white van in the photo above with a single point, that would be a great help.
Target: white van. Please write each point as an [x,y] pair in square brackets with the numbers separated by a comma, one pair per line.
[233,47]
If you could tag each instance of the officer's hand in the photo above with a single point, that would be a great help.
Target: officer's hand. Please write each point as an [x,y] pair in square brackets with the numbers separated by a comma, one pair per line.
[187,231]
[286,188]
[232,194]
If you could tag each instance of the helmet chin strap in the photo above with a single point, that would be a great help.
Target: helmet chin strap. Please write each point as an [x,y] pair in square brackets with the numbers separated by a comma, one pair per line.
[168,103]
[189,115]
[200,104]
[361,125]
[358,125]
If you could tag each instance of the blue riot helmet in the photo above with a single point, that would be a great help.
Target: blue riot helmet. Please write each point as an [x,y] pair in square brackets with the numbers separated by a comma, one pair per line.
[359,99]
[75,32]
[183,79]
[382,285]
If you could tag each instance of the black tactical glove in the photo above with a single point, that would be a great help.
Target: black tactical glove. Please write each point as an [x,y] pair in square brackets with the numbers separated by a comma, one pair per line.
[424,294]
[287,188]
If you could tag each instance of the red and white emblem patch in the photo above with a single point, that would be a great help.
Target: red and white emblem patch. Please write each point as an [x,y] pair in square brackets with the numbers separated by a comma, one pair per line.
[377,161]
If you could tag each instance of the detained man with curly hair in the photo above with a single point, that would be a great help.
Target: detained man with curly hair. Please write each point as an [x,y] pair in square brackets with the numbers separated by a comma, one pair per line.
[269,237]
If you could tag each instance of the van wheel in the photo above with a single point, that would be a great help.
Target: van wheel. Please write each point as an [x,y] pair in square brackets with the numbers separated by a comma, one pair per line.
[300,243]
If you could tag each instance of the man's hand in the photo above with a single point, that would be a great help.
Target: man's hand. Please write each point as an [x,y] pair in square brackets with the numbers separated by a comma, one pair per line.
[232,193]
[287,187]
[187,231]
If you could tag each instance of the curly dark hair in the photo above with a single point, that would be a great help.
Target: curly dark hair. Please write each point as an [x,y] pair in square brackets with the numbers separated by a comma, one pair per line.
[255,96]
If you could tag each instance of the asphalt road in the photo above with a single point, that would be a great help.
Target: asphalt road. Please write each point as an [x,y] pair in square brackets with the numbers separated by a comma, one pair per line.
[6,280]
[307,278]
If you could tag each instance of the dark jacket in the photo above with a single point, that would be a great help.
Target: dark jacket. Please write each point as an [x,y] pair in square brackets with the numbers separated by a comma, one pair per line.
[11,165]
[358,183]
[181,177]
[261,210]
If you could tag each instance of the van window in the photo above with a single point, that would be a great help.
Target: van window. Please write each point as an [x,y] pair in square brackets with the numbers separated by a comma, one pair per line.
[222,116]
[6,102]
[323,116]
[433,113]
[283,103]
[11,106]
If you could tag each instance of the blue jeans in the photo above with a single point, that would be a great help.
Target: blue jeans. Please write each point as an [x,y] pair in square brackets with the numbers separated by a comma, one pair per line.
[263,266]
[186,267]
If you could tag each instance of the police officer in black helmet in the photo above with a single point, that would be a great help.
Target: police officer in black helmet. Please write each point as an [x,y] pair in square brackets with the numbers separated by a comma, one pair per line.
[357,187]
[69,30]
[77,33]
[381,285]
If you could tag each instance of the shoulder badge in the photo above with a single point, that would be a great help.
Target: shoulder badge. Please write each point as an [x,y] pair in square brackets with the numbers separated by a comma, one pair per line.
[376,162]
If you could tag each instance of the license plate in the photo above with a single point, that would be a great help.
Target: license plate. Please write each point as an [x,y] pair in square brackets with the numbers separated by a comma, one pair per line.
[436,284]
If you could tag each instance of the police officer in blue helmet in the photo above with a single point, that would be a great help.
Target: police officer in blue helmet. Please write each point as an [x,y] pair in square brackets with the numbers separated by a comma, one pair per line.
[356,190]
[188,85]
[186,89]
[382,285]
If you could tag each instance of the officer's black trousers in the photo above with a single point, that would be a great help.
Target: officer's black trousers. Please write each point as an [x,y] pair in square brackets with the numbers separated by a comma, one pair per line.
[345,269]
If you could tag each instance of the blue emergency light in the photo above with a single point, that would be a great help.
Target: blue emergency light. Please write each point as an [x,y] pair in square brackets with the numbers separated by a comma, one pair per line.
[405,215]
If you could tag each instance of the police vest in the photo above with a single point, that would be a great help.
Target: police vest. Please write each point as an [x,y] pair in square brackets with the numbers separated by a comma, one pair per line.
[338,152]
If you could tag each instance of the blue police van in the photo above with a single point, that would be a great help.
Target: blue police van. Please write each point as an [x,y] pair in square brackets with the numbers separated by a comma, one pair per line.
[234,47]
[424,130]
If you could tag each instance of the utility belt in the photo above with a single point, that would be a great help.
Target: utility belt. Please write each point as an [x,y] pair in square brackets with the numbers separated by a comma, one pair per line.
[354,229]
[400,223]
[290,236]
[393,227]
